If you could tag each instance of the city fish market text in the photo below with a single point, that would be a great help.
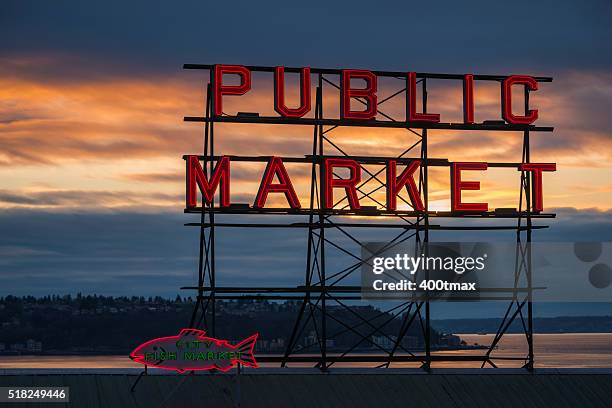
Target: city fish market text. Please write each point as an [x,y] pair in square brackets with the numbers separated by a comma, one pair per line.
[192,350]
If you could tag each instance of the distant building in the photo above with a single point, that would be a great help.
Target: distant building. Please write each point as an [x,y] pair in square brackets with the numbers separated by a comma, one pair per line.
[277,344]
[33,346]
[450,340]
[17,347]
[411,342]
[385,342]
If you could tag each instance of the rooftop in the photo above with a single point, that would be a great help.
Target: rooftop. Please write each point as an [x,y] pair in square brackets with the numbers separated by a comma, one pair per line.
[338,388]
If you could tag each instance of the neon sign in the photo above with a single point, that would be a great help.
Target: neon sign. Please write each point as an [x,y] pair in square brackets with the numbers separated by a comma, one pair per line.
[349,182]
[276,179]
[220,179]
[367,93]
[192,350]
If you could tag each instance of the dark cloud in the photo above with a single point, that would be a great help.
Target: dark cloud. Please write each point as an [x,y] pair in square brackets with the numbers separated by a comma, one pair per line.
[45,251]
[473,36]
[137,253]
[131,252]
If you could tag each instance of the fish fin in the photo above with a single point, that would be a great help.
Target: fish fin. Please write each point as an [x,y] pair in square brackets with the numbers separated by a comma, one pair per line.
[191,332]
[246,347]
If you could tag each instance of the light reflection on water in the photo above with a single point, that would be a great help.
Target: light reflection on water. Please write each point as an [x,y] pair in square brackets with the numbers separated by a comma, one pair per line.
[585,350]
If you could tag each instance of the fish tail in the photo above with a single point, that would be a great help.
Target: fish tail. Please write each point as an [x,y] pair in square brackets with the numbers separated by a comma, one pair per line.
[245,348]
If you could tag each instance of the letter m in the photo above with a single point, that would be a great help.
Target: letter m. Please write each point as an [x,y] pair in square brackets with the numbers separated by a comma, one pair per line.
[197,177]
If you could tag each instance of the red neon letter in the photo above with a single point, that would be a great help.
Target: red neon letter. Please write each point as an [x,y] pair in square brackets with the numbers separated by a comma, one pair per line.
[536,181]
[219,89]
[457,186]
[395,184]
[412,115]
[195,175]
[349,184]
[276,167]
[532,114]
[468,98]
[279,94]
[368,93]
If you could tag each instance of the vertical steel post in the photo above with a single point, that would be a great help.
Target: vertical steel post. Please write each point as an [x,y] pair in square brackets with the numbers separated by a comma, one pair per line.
[322,205]
[203,252]
[529,201]
[211,271]
[427,365]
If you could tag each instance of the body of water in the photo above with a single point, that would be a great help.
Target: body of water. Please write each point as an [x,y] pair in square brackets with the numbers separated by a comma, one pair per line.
[582,350]
[572,350]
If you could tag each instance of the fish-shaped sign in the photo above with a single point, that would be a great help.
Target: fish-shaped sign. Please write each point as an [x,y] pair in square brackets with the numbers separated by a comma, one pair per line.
[192,350]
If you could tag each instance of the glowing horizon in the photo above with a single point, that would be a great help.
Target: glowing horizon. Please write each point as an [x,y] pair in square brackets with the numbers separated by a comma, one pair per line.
[118,141]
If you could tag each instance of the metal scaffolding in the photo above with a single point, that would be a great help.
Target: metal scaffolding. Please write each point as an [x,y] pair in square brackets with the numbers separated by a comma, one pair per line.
[324,290]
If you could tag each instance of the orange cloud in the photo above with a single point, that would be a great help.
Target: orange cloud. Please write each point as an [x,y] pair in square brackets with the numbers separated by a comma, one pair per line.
[120,133]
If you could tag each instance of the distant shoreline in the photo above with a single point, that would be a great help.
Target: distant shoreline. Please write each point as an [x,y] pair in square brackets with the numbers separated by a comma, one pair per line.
[115,353]
[542,325]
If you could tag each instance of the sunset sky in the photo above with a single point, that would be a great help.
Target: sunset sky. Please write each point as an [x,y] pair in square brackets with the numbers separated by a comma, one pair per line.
[92,99]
